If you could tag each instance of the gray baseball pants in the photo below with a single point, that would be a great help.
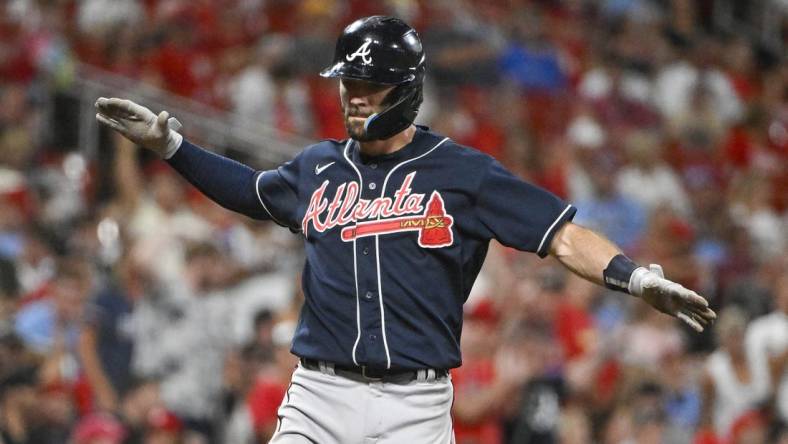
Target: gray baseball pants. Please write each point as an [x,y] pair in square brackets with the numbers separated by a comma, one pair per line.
[324,408]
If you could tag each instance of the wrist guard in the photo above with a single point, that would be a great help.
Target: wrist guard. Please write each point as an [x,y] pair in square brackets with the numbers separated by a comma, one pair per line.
[618,273]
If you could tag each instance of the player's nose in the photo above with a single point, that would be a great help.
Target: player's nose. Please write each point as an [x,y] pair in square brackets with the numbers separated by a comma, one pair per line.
[359,107]
[358,98]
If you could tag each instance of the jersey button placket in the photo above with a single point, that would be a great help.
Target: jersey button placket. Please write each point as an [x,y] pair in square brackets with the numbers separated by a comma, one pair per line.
[370,311]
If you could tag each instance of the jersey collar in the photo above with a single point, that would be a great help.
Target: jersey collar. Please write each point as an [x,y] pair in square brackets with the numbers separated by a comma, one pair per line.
[414,148]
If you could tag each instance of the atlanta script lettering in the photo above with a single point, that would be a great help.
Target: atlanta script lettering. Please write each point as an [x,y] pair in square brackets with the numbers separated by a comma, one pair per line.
[381,215]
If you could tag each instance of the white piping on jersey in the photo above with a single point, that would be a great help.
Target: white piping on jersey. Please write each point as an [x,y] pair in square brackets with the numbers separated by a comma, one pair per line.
[257,190]
[355,264]
[377,250]
[549,230]
[380,301]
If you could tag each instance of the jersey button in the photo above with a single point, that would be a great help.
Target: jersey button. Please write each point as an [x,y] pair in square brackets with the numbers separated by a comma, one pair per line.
[365,251]
[372,186]
[373,165]
[372,337]
[369,295]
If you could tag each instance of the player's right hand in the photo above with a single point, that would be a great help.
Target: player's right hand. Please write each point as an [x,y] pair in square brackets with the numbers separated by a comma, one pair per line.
[140,125]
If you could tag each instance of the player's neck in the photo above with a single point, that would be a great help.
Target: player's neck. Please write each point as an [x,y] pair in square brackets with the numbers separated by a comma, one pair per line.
[394,143]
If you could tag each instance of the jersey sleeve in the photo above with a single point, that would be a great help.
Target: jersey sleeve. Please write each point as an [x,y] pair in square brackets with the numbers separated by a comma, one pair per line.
[223,180]
[237,187]
[519,214]
[277,192]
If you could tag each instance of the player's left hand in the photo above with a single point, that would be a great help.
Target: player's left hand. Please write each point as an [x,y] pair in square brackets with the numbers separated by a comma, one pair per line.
[671,298]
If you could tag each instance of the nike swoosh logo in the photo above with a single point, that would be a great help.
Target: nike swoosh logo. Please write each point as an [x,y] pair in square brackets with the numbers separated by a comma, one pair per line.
[319,169]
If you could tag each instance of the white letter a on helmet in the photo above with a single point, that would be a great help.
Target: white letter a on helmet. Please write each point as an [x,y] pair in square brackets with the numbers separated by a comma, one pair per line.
[363,51]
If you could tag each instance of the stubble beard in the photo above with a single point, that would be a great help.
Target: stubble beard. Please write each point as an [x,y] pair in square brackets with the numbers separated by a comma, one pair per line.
[355,127]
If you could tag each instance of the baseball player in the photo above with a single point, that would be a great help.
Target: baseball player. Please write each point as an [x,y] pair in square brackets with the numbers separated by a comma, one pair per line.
[396,222]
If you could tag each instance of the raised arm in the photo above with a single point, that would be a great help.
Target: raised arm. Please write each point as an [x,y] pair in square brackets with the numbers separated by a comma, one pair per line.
[227,182]
[595,258]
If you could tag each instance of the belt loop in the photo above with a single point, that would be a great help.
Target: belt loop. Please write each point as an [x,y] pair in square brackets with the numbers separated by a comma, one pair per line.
[421,375]
[431,375]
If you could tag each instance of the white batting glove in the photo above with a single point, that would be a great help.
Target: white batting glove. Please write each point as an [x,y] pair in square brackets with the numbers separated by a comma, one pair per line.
[141,125]
[671,298]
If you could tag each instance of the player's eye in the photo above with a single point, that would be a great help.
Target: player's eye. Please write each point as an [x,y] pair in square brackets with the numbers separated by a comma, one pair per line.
[361,88]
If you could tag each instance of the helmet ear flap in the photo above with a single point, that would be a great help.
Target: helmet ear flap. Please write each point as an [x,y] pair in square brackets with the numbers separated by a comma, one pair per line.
[405,89]
[403,101]
[396,93]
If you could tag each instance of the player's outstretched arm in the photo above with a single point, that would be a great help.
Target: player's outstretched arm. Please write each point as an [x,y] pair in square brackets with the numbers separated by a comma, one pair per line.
[595,258]
[225,181]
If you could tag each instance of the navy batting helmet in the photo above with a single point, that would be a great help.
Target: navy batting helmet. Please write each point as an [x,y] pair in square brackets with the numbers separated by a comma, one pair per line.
[383,50]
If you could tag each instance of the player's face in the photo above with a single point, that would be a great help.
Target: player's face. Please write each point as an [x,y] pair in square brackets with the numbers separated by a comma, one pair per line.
[360,100]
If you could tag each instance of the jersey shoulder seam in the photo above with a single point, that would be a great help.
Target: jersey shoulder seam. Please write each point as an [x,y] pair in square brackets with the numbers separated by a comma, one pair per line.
[260,197]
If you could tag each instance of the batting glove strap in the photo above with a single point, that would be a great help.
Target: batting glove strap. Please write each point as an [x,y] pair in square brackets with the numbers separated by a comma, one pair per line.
[635,286]
[174,141]
[619,274]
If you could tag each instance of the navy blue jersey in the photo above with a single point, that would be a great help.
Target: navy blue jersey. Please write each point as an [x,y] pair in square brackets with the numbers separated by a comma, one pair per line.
[394,243]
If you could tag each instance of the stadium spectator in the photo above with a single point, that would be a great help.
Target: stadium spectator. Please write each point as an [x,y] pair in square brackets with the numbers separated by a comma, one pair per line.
[50,324]
[191,382]
[484,384]
[271,382]
[766,344]
[106,341]
[728,385]
[617,216]
[649,180]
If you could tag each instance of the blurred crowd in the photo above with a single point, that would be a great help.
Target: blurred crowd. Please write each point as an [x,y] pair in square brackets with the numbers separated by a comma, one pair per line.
[134,310]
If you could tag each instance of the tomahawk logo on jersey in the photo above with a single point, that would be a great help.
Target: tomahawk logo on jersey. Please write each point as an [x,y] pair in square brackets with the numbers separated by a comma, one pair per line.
[371,224]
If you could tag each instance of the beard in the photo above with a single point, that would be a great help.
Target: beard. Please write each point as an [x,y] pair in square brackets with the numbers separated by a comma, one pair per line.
[355,127]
